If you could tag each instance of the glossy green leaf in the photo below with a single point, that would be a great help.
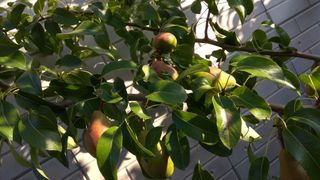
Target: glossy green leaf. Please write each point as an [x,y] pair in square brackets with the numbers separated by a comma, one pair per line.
[259,169]
[168,92]
[228,120]
[306,116]
[132,144]
[262,67]
[197,127]
[291,107]
[15,60]
[200,174]
[213,8]
[193,69]
[312,80]
[248,133]
[29,82]
[242,7]
[183,54]
[9,117]
[257,106]
[224,36]
[303,147]
[292,78]
[178,147]
[85,28]
[138,110]
[38,6]
[108,152]
[38,137]
[78,76]
[118,65]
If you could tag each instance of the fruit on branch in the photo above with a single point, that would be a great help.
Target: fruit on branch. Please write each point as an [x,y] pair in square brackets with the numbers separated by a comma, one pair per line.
[159,167]
[290,168]
[98,125]
[164,42]
[223,80]
[163,69]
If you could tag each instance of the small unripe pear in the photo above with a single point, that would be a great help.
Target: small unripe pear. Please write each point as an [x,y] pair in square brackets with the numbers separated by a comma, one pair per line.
[164,42]
[162,68]
[290,169]
[223,80]
[98,125]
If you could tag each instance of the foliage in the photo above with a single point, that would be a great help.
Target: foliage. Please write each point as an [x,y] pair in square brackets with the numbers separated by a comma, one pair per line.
[47,117]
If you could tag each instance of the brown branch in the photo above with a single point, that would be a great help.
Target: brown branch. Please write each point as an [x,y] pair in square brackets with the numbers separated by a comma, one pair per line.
[263,52]
[207,25]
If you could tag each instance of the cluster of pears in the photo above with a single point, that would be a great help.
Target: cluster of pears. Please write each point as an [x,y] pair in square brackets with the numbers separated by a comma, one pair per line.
[218,79]
[164,43]
[157,167]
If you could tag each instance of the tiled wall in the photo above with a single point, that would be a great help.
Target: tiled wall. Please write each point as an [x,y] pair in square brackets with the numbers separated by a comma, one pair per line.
[300,18]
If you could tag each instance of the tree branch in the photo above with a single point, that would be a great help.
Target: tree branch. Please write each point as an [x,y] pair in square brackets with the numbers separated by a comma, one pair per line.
[263,52]
[207,25]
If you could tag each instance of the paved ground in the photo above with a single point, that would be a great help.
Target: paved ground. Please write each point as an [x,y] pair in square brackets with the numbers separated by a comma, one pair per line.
[300,18]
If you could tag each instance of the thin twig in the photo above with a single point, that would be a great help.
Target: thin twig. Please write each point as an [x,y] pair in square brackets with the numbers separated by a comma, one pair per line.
[263,52]
[207,25]
[142,27]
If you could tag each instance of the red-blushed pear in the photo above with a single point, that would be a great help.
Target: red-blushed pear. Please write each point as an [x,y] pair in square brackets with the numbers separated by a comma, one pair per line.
[163,69]
[290,169]
[161,165]
[98,125]
[164,42]
[223,80]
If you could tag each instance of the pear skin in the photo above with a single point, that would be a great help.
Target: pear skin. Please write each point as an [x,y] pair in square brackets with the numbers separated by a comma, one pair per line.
[223,80]
[290,169]
[98,125]
[162,68]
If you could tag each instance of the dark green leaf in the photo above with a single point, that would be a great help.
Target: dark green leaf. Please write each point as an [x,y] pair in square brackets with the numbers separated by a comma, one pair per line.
[63,16]
[201,174]
[118,65]
[228,120]
[166,91]
[78,77]
[197,127]
[153,137]
[69,61]
[192,70]
[36,168]
[29,82]
[106,93]
[218,149]
[243,96]
[178,147]
[16,14]
[196,6]
[292,78]
[212,6]
[303,147]
[9,116]
[261,66]
[225,36]
[108,152]
[39,138]
[259,169]
[7,47]
[291,108]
